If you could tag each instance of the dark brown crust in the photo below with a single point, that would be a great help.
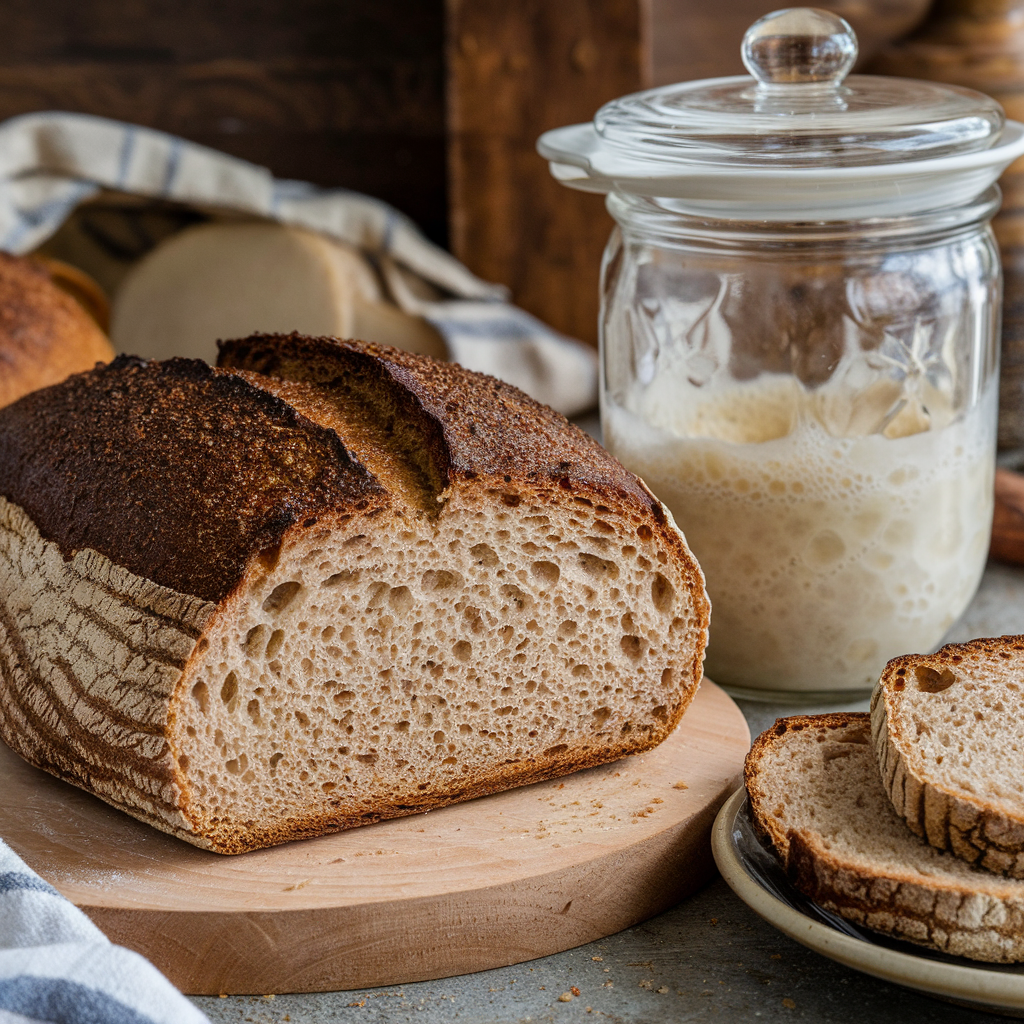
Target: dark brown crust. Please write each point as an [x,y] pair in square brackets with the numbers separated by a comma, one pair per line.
[974,829]
[473,425]
[45,335]
[180,473]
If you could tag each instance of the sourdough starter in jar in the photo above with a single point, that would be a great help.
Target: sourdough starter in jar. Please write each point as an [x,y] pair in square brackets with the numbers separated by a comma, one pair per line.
[825,555]
[799,344]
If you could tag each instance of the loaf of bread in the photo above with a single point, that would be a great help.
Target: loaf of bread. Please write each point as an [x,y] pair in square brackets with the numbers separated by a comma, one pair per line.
[223,280]
[45,335]
[950,748]
[815,792]
[331,584]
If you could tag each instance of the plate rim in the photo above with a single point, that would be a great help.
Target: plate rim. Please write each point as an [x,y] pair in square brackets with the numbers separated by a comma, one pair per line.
[950,981]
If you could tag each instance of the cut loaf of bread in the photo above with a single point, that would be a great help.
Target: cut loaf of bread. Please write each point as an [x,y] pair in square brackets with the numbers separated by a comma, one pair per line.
[949,736]
[815,792]
[251,607]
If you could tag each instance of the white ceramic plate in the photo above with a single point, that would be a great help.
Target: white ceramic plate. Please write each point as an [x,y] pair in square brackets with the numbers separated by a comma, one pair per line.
[753,872]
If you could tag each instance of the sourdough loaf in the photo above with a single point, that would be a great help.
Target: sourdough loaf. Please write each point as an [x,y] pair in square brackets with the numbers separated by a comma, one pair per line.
[248,607]
[815,792]
[949,739]
[45,335]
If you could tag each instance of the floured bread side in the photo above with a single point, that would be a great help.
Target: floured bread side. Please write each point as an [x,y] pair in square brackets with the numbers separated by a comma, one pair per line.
[948,732]
[374,621]
[73,632]
[815,792]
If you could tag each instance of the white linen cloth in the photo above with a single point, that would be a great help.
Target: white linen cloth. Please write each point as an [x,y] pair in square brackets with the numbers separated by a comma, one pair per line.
[52,161]
[57,966]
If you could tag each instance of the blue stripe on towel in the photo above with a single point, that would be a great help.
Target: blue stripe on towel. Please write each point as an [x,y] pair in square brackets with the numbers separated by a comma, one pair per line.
[64,1002]
[18,881]
[127,148]
[173,160]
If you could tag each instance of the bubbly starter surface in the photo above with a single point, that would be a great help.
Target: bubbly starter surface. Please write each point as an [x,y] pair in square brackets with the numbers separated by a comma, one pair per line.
[826,552]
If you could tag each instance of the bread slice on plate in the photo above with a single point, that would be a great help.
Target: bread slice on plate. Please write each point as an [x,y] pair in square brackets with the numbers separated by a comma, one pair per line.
[248,607]
[949,736]
[815,792]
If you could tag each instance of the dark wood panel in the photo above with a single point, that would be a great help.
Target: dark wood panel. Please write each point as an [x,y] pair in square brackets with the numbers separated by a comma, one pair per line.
[340,94]
[518,69]
[697,39]
[515,70]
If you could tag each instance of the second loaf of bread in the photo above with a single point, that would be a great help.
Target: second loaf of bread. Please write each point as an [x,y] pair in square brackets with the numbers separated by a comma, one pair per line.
[328,585]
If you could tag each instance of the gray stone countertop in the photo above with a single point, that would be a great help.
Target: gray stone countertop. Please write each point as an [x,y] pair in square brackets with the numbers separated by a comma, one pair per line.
[708,959]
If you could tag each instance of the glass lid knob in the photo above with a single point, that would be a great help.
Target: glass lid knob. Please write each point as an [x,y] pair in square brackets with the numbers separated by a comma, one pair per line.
[800,46]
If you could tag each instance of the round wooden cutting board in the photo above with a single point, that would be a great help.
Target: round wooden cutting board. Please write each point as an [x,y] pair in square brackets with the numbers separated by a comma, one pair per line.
[483,884]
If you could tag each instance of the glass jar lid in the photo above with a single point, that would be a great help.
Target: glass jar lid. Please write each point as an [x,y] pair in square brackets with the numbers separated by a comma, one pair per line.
[801,108]
[796,139]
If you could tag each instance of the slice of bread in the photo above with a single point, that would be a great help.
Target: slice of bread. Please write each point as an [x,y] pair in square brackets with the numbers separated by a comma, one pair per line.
[948,731]
[815,793]
[251,607]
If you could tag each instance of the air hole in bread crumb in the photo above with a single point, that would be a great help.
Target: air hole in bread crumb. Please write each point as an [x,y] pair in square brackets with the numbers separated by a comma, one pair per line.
[485,555]
[281,596]
[229,690]
[440,579]
[401,600]
[254,641]
[344,697]
[275,642]
[632,647]
[601,715]
[345,576]
[598,568]
[559,748]
[547,572]
[644,532]
[253,709]
[567,629]
[463,650]
[201,695]
[515,596]
[930,680]
[663,594]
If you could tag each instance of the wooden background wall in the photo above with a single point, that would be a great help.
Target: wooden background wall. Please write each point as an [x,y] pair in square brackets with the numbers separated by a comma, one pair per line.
[338,92]
[433,105]
[518,69]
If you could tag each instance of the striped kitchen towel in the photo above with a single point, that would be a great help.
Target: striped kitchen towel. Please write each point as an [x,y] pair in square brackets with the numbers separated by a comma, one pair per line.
[56,965]
[51,162]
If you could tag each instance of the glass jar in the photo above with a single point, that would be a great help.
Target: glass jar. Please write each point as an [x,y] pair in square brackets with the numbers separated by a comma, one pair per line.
[800,314]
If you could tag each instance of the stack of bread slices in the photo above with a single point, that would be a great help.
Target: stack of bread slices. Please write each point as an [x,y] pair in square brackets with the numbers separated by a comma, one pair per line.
[909,820]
